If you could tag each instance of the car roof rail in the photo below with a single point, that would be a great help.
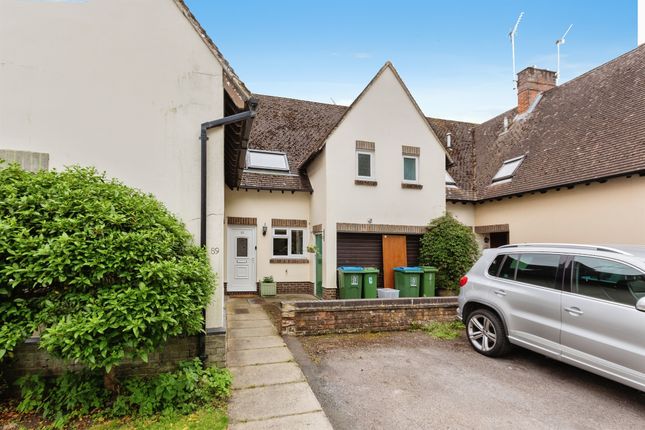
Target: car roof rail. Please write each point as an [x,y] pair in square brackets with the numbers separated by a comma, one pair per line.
[568,245]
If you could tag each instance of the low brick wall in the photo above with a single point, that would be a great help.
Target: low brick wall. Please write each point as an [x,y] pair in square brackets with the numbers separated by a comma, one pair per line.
[29,359]
[295,287]
[351,316]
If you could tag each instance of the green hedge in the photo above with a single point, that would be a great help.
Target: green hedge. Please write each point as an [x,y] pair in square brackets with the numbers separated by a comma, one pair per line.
[451,247]
[103,270]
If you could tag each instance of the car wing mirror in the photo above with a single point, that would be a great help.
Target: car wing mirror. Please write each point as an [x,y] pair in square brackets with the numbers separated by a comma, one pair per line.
[640,304]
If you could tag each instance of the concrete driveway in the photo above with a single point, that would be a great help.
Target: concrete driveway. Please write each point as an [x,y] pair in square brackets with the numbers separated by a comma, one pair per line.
[410,380]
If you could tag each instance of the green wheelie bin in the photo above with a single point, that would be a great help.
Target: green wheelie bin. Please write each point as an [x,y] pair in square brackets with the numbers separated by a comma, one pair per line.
[370,281]
[350,282]
[408,281]
[428,281]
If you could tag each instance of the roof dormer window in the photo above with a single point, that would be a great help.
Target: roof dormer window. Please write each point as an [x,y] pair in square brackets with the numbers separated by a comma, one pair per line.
[508,169]
[450,182]
[267,160]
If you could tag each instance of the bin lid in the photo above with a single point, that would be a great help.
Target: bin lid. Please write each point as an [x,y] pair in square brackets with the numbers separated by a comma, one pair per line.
[408,269]
[351,268]
[370,270]
[429,269]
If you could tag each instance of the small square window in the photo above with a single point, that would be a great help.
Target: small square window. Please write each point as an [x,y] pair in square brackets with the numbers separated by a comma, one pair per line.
[410,169]
[288,242]
[364,165]
[281,246]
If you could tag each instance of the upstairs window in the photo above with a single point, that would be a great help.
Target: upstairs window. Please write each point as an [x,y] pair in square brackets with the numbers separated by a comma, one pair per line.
[450,182]
[266,160]
[364,165]
[506,172]
[410,168]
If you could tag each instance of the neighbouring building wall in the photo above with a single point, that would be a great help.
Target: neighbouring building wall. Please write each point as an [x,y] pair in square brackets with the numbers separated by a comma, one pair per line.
[120,85]
[265,206]
[612,212]
[317,172]
[464,213]
[386,116]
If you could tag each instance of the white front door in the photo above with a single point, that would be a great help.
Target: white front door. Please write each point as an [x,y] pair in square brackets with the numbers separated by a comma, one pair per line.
[241,259]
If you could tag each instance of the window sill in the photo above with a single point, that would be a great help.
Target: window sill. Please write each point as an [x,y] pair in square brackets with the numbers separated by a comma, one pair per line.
[365,182]
[410,186]
[287,260]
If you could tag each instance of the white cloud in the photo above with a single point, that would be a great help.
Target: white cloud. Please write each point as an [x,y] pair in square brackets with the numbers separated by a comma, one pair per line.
[362,55]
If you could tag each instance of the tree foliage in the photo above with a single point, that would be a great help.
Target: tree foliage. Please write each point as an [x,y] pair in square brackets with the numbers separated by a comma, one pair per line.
[451,247]
[104,271]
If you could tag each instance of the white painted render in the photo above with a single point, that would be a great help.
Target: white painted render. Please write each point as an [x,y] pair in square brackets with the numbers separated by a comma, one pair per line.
[123,86]
[464,213]
[265,206]
[607,213]
[386,115]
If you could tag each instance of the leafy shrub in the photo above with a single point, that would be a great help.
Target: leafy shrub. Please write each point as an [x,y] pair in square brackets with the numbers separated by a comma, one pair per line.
[105,271]
[64,397]
[167,393]
[451,247]
[267,279]
[74,395]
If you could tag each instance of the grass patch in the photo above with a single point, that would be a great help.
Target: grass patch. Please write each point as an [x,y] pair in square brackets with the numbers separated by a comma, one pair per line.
[210,417]
[442,330]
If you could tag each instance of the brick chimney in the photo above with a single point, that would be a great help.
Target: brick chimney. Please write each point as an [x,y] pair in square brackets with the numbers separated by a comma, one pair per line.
[530,83]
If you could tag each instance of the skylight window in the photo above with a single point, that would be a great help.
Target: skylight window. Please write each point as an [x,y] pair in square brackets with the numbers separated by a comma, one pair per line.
[508,169]
[449,181]
[266,160]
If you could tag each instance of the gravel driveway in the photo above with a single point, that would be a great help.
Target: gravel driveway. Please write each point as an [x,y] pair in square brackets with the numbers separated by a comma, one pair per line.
[410,380]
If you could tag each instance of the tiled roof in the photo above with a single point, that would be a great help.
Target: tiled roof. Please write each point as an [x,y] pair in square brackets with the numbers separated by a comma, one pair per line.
[589,128]
[295,127]
[461,151]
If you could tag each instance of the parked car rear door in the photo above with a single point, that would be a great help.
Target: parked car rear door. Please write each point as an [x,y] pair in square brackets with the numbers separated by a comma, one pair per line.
[601,328]
[529,292]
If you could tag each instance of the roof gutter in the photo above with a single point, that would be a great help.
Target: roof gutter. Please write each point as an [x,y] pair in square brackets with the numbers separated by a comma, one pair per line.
[247,116]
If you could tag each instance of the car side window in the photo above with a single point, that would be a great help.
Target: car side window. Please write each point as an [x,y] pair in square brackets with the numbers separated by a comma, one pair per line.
[607,280]
[508,268]
[493,269]
[538,269]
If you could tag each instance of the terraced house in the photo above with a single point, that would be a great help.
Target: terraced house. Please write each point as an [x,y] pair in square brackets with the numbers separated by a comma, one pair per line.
[324,185]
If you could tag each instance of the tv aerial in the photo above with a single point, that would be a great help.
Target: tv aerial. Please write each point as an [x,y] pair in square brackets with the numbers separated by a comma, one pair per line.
[559,42]
[512,37]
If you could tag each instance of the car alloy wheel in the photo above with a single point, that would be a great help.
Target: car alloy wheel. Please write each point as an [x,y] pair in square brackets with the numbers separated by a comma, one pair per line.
[482,333]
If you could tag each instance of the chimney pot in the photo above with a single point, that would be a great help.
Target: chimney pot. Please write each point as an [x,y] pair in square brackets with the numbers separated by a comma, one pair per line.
[532,82]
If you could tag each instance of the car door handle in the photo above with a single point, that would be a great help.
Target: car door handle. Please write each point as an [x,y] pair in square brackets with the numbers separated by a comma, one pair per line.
[500,293]
[575,311]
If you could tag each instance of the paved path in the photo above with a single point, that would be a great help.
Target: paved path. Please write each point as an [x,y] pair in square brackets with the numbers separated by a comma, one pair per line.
[269,389]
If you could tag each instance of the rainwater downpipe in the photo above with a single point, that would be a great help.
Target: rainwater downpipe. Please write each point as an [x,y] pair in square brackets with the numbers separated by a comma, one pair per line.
[231,119]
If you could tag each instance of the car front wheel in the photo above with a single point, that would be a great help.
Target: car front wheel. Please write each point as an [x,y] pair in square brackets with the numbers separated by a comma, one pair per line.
[486,333]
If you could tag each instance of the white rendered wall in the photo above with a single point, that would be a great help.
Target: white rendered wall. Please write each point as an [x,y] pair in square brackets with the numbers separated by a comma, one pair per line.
[123,86]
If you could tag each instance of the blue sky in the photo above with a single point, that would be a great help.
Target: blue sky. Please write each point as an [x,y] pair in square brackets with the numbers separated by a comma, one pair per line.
[455,56]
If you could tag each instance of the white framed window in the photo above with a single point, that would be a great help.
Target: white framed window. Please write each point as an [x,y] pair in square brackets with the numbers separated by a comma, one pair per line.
[508,169]
[364,165]
[266,160]
[450,182]
[288,242]
[410,169]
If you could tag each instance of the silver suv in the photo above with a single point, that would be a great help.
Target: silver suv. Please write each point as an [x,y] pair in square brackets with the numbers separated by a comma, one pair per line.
[581,304]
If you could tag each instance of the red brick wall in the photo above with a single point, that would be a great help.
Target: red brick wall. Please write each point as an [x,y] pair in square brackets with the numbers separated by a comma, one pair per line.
[295,287]
[330,293]
[351,316]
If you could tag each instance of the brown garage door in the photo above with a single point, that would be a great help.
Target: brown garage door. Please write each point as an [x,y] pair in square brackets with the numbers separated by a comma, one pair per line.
[364,249]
